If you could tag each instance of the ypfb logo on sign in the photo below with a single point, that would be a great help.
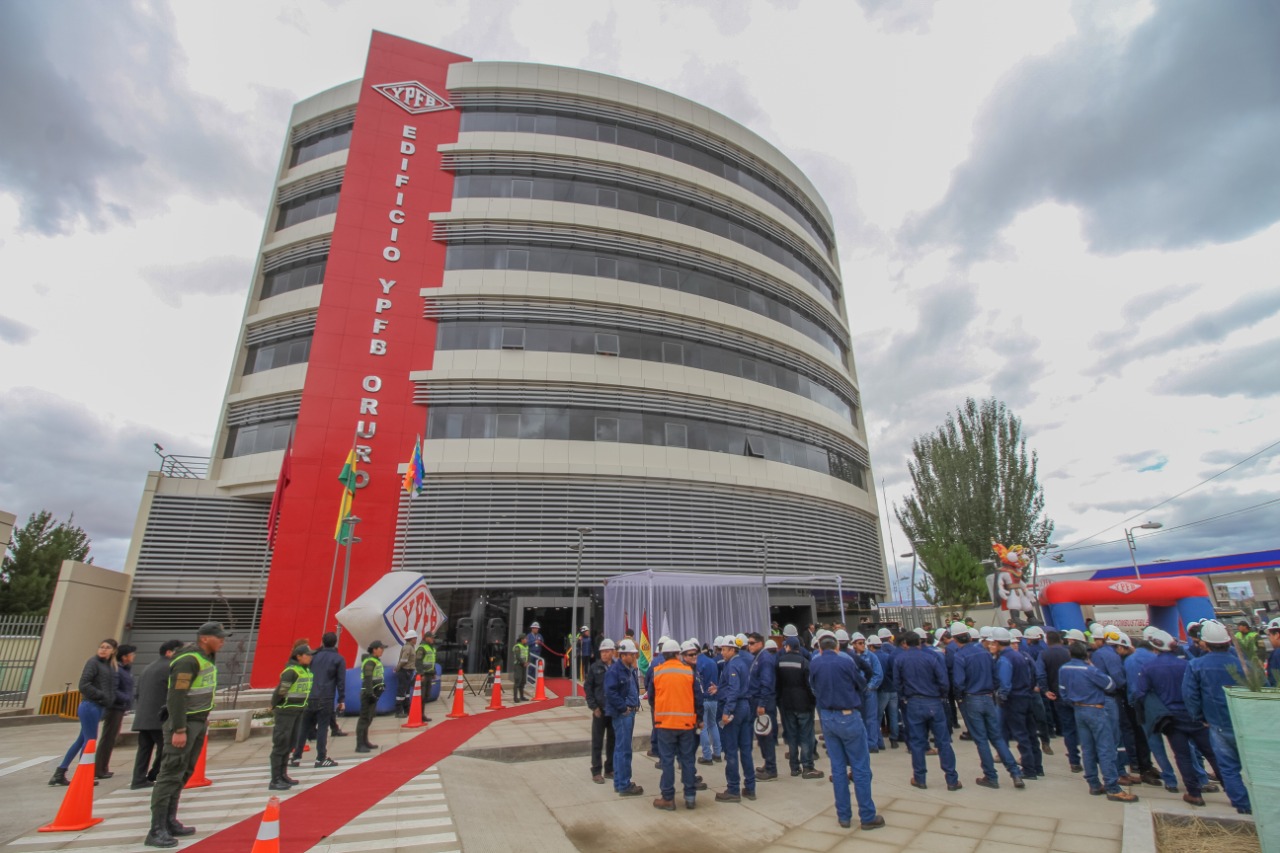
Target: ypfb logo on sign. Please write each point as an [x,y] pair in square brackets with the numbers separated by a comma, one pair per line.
[414,609]
[1125,587]
[413,97]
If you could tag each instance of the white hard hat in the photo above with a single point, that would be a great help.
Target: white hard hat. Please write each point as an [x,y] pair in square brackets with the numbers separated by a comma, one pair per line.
[689,646]
[959,629]
[606,645]
[939,634]
[874,640]
[1111,628]
[662,640]
[1274,624]
[535,625]
[1015,633]
[627,647]
[411,635]
[1149,632]
[856,636]
[1073,634]
[1161,640]
[740,640]
[1195,622]
[1125,641]
[669,647]
[693,640]
[763,725]
[1001,635]
[985,632]
[922,633]
[585,628]
[790,631]
[1096,629]
[884,633]
[842,636]
[770,644]
[717,642]
[1115,636]
[1213,631]
[821,635]
[1035,632]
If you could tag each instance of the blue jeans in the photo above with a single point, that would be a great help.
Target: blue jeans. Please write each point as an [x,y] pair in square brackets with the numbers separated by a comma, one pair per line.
[624,726]
[1183,734]
[1224,747]
[1098,742]
[926,715]
[871,719]
[1123,757]
[739,767]
[1067,719]
[888,703]
[90,714]
[984,725]
[797,726]
[711,731]
[846,738]
[673,744]
[1022,723]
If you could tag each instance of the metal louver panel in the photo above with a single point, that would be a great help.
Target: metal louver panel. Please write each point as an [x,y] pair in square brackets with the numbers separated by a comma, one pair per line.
[320,125]
[262,411]
[303,252]
[155,620]
[471,392]
[315,183]
[202,547]
[487,532]
[276,330]
[444,308]
[584,237]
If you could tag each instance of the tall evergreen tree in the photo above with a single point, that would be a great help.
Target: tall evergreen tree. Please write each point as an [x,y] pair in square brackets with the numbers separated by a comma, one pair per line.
[973,481]
[30,570]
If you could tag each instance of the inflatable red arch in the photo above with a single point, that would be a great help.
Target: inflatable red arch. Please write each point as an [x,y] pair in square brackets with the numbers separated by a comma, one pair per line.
[1169,601]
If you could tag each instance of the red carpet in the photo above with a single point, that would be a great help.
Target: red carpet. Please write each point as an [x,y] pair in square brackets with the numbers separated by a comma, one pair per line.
[309,817]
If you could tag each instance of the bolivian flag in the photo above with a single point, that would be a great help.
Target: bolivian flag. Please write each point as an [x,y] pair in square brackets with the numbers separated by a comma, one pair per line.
[348,479]
[646,650]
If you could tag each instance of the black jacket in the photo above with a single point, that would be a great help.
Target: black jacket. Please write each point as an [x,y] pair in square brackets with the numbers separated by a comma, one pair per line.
[124,689]
[794,693]
[152,691]
[329,675]
[98,682]
[594,688]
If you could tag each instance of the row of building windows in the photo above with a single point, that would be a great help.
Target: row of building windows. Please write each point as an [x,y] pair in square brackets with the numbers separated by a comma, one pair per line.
[565,337]
[294,276]
[321,143]
[642,138]
[260,438]
[281,353]
[503,256]
[309,206]
[646,203]
[493,422]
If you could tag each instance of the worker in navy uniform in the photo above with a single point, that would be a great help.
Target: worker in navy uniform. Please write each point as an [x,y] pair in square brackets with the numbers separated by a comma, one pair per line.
[1106,658]
[838,682]
[887,711]
[372,683]
[602,735]
[677,701]
[1084,687]
[974,683]
[622,701]
[1015,690]
[762,689]
[736,723]
[193,684]
[1273,661]
[1206,678]
[328,673]
[796,706]
[289,701]
[1055,654]
[875,682]
[921,679]
[709,675]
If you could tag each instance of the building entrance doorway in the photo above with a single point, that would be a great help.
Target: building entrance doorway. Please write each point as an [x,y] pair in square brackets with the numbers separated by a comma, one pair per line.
[795,610]
[553,615]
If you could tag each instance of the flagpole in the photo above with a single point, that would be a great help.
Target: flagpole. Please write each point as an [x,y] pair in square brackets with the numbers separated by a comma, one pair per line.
[337,543]
[253,625]
[328,599]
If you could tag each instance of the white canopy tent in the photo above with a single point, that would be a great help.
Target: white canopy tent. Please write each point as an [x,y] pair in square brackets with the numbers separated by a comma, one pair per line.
[694,604]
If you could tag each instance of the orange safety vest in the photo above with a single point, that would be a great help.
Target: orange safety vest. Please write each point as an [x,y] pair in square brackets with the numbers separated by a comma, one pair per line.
[673,696]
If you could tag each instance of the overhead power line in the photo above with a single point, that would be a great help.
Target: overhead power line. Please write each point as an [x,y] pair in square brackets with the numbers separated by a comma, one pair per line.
[1175,527]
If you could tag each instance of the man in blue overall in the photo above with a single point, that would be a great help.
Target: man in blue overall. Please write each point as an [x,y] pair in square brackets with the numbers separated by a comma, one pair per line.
[974,682]
[838,682]
[736,724]
[922,682]
[1202,690]
[622,698]
[1084,687]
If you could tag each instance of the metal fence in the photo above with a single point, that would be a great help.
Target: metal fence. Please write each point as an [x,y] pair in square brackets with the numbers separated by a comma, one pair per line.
[19,646]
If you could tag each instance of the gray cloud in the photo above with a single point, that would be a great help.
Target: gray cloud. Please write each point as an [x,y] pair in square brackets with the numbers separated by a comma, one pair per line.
[1166,139]
[1248,370]
[97,109]
[899,16]
[220,276]
[62,457]
[13,331]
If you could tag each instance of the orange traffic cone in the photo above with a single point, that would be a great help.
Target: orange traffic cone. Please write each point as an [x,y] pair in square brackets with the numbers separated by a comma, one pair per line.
[458,709]
[76,812]
[198,779]
[415,707]
[268,840]
[495,701]
[539,690]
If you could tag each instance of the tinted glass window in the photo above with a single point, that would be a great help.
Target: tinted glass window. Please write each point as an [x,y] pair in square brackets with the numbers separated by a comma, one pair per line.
[293,277]
[309,206]
[321,143]
[259,438]
[280,353]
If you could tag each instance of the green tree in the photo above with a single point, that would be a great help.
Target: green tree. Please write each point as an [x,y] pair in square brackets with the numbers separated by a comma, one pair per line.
[36,552]
[973,481]
[954,576]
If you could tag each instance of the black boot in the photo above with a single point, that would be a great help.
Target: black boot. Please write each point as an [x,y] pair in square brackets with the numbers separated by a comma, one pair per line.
[159,835]
[278,784]
[60,777]
[176,829]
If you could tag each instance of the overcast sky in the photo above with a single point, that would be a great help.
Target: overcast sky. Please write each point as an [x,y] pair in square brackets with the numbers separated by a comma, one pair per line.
[1072,207]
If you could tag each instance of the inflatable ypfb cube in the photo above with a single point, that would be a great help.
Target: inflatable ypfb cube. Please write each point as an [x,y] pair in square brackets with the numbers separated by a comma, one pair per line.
[399,602]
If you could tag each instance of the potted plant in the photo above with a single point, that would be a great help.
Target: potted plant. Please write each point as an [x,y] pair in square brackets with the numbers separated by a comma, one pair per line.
[1255,716]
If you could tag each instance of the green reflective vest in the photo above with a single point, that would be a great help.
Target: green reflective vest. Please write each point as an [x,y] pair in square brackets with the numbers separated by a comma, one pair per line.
[426,659]
[203,687]
[372,674]
[300,689]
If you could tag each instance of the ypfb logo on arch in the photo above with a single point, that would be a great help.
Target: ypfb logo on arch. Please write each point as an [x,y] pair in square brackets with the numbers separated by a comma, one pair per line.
[413,97]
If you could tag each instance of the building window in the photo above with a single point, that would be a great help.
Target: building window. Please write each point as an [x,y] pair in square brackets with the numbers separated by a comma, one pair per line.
[606,344]
[259,438]
[606,268]
[293,277]
[606,198]
[280,353]
[606,429]
[512,338]
[672,353]
[521,189]
[755,446]
[667,210]
[607,133]
[307,207]
[677,435]
[320,144]
[508,426]
[517,259]
[747,368]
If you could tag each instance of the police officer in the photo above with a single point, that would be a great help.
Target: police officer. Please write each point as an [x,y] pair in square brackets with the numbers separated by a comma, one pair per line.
[1202,691]
[404,673]
[193,682]
[1084,687]
[602,736]
[838,682]
[921,678]
[372,678]
[974,683]
[519,669]
[736,723]
[622,701]
[1015,688]
[289,701]
[677,702]
[424,664]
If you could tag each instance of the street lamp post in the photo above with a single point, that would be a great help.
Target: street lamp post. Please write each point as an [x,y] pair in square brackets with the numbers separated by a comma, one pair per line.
[1133,552]
[573,614]
[915,613]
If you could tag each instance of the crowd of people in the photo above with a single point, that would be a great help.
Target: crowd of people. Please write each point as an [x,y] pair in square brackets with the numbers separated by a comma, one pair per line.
[1121,705]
